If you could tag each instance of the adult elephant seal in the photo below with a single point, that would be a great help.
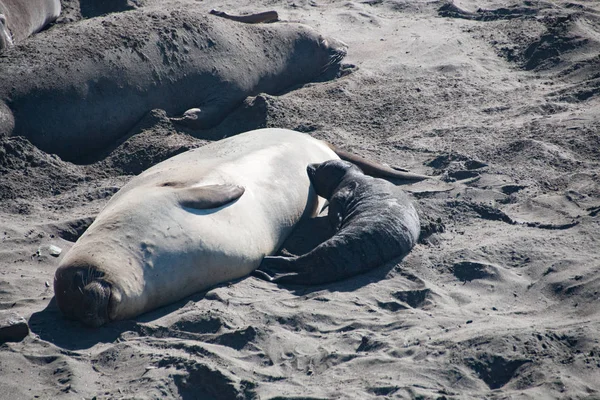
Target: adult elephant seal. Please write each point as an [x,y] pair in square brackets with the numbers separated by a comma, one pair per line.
[201,218]
[85,85]
[19,19]
[374,222]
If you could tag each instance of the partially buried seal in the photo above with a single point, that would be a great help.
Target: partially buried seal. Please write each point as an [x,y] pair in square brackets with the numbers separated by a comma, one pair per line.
[198,219]
[374,221]
[114,69]
[20,19]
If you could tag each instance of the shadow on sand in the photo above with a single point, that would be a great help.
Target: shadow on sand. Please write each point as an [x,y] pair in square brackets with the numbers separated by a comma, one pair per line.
[50,325]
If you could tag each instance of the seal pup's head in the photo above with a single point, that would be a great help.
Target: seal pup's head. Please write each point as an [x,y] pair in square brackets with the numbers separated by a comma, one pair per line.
[327,176]
[82,294]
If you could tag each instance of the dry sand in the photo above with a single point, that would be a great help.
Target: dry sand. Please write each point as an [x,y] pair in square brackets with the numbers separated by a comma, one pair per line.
[498,98]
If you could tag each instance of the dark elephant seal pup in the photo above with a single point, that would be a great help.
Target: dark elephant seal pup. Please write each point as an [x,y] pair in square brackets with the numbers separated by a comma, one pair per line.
[19,19]
[112,70]
[374,221]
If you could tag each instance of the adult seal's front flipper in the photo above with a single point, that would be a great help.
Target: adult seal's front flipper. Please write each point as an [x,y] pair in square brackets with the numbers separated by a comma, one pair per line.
[210,196]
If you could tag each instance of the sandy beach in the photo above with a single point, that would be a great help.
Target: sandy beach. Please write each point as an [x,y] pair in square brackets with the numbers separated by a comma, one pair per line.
[497,99]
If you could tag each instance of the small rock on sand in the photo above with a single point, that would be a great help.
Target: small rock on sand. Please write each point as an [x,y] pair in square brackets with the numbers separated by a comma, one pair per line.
[13,327]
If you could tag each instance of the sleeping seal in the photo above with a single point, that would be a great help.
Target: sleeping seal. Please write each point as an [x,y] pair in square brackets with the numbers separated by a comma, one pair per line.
[374,222]
[19,19]
[82,87]
[198,219]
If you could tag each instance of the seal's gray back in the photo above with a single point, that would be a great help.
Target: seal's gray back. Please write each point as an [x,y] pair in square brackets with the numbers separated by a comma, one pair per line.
[88,83]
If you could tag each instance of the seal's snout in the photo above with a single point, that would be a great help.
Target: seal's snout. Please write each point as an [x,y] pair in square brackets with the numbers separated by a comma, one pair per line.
[311,170]
[83,295]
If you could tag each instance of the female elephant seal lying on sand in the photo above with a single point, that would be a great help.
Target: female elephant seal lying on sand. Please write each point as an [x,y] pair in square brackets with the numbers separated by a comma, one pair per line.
[374,222]
[201,218]
[79,88]
[19,19]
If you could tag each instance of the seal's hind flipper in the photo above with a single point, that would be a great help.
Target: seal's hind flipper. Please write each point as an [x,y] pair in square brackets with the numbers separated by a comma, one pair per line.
[206,117]
[209,196]
[281,270]
[263,17]
[376,169]
[289,278]
[273,267]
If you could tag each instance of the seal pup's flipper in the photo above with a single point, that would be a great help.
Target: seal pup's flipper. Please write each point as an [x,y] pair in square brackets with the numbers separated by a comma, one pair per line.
[209,196]
[263,17]
[280,270]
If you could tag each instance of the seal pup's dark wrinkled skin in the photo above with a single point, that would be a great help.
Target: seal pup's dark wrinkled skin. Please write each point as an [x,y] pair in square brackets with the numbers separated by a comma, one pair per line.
[374,222]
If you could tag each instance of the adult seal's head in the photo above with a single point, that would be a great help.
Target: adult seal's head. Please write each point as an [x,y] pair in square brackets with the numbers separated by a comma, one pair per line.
[82,294]
[326,176]
[328,52]
[335,51]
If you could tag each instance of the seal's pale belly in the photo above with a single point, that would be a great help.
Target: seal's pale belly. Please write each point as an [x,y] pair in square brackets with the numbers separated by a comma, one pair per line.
[113,69]
[153,251]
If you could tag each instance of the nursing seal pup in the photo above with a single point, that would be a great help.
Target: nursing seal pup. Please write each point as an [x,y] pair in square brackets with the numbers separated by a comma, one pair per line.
[374,221]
